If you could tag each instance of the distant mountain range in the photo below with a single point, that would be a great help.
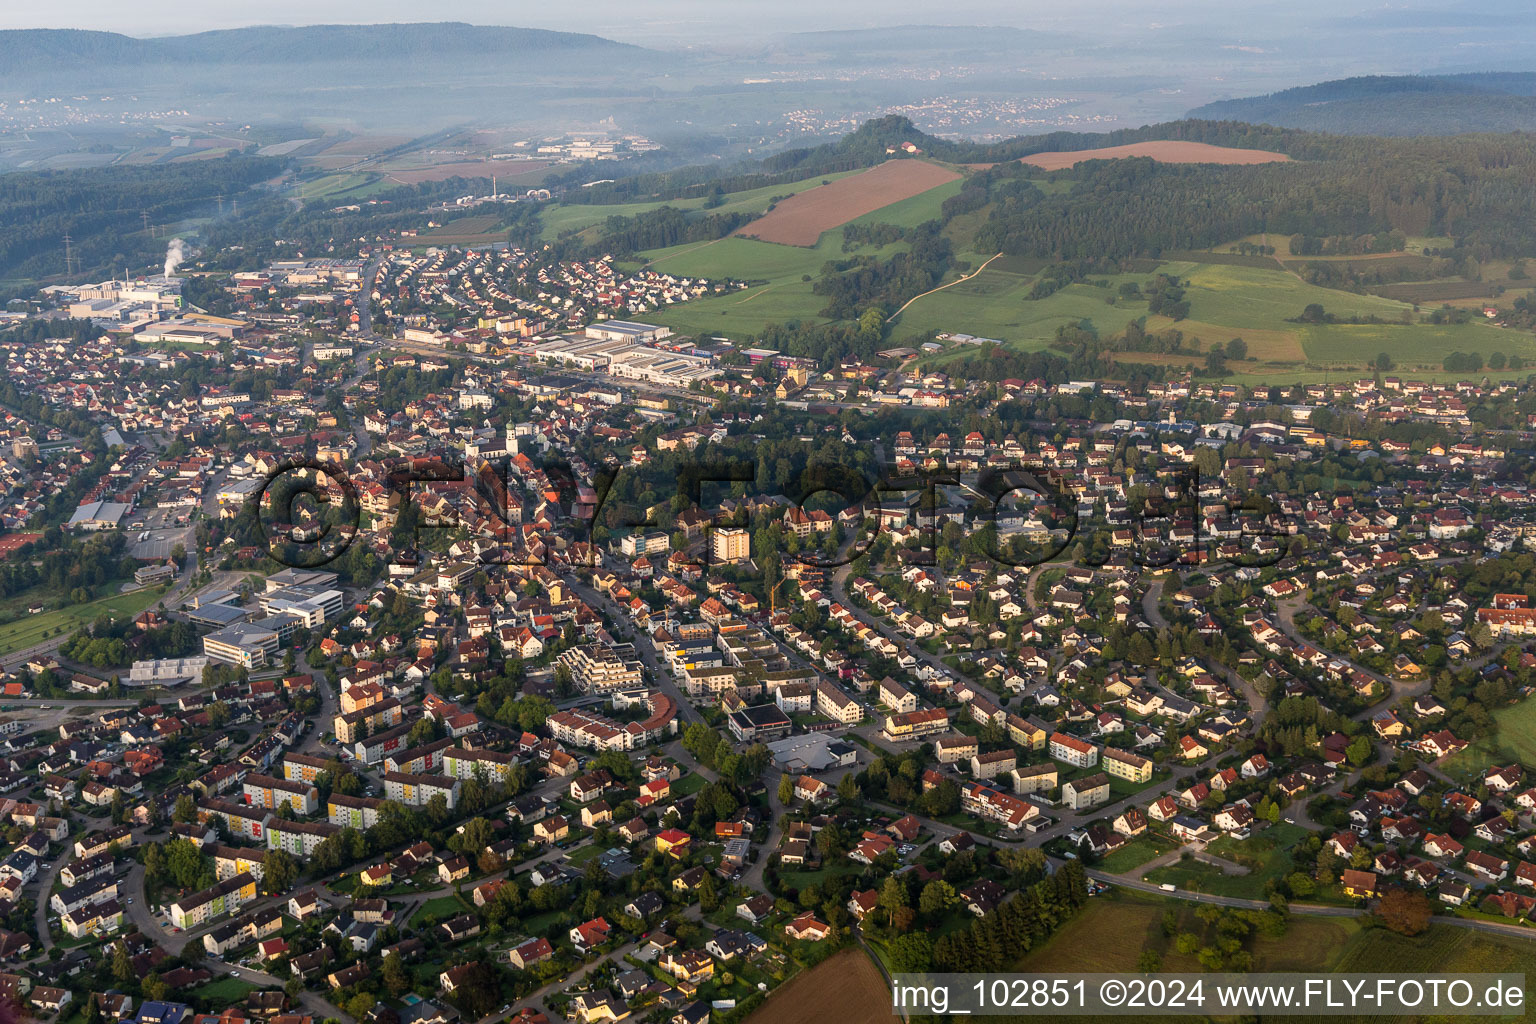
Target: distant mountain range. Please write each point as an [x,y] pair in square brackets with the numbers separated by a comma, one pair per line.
[1393,105]
[62,49]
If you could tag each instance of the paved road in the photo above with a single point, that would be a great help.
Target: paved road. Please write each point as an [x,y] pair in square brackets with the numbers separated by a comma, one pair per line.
[44,884]
[661,677]
[1153,613]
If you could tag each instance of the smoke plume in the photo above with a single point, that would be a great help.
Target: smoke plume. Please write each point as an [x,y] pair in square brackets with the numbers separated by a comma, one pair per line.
[175,255]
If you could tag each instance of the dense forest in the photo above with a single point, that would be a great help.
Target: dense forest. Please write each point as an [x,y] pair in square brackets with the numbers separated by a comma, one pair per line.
[103,210]
[1399,105]
[663,227]
[1477,189]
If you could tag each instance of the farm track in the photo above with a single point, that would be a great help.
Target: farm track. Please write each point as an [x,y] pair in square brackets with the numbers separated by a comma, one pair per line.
[959,280]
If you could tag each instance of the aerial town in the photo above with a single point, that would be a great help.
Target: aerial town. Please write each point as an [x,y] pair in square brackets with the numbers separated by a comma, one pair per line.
[362,667]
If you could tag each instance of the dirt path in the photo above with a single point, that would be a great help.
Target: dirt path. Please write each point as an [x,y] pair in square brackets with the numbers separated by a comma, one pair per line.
[959,280]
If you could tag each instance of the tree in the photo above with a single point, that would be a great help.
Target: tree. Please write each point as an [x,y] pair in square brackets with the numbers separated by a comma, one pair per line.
[396,979]
[786,789]
[893,897]
[848,788]
[185,809]
[1404,912]
[937,896]
[911,953]
[185,863]
[359,1005]
[479,991]
[122,963]
[279,871]
[1359,750]
[709,899]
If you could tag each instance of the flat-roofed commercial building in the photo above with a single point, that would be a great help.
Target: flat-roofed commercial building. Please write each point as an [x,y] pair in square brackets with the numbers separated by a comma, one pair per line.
[247,644]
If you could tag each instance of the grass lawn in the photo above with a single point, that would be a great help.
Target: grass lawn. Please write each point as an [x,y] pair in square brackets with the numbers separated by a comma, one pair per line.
[1136,853]
[589,852]
[688,785]
[1266,855]
[34,629]
[538,924]
[439,909]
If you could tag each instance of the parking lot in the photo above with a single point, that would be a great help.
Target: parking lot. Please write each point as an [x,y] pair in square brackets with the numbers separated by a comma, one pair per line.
[166,528]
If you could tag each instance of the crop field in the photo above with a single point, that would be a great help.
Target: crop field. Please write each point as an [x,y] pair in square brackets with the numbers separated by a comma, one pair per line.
[1434,291]
[1415,345]
[909,213]
[1444,950]
[847,987]
[576,216]
[802,219]
[1384,262]
[479,229]
[1111,933]
[1166,151]
[1114,930]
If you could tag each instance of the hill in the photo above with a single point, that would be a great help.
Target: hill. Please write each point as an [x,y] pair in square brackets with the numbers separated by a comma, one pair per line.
[1393,105]
[57,49]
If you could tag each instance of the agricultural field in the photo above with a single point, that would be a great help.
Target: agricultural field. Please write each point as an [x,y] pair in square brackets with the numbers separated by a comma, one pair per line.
[476,229]
[777,274]
[909,213]
[802,219]
[1168,151]
[1231,296]
[1513,740]
[1114,930]
[1416,345]
[575,216]
[345,186]
[847,987]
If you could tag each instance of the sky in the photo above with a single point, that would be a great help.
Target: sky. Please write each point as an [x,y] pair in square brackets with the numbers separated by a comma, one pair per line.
[678,21]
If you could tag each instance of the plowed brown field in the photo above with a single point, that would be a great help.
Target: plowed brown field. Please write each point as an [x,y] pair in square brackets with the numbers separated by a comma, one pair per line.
[800,219]
[1168,151]
[846,988]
